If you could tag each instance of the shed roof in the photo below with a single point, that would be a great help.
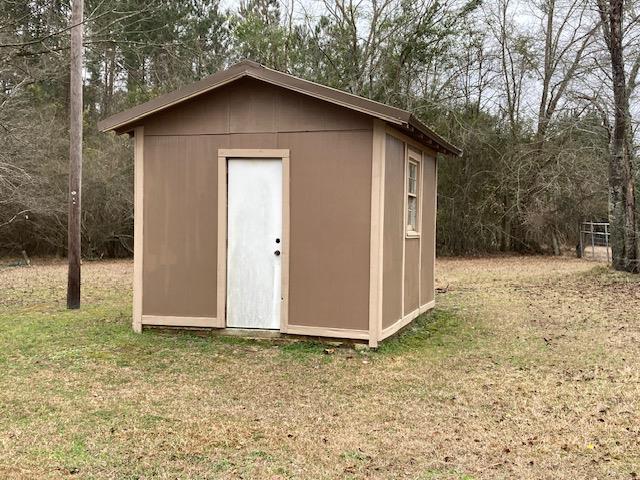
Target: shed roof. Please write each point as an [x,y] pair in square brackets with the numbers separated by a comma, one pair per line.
[401,119]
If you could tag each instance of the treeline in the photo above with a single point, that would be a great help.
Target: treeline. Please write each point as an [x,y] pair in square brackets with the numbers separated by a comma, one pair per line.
[522,87]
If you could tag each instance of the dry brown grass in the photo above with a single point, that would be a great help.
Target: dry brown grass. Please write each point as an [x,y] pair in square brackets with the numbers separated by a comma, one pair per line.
[528,369]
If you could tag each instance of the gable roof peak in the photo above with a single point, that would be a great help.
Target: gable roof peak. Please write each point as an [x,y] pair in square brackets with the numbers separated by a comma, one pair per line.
[397,117]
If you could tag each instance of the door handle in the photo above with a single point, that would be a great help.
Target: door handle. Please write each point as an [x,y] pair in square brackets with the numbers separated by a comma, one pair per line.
[277,253]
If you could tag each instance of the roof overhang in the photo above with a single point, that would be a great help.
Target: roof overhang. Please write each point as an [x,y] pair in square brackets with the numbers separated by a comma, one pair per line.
[124,122]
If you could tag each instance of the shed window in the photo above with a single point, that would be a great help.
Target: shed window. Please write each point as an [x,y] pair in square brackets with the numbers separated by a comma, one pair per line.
[413,191]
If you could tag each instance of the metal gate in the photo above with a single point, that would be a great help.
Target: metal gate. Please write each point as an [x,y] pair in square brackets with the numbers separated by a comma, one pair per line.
[594,241]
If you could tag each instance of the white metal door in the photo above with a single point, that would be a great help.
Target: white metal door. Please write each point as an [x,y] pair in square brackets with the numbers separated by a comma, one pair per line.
[254,242]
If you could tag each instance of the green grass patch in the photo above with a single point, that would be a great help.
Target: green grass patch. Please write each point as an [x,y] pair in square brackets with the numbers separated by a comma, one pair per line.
[441,332]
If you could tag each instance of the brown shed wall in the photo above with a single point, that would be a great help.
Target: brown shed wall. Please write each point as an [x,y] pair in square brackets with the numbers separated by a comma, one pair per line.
[330,182]
[180,226]
[330,228]
[408,283]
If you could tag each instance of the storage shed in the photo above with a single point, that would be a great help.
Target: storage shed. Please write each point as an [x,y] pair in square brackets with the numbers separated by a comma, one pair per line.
[265,201]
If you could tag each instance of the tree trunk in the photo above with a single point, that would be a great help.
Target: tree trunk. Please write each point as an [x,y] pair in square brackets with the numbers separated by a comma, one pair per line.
[75,157]
[555,242]
[621,178]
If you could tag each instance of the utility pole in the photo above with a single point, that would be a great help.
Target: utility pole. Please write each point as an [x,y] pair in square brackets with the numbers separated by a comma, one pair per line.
[75,157]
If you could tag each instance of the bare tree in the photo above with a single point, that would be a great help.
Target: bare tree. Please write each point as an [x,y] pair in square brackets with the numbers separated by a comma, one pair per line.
[622,208]
[568,32]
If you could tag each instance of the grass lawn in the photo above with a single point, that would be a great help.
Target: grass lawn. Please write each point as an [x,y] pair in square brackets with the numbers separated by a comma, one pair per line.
[529,368]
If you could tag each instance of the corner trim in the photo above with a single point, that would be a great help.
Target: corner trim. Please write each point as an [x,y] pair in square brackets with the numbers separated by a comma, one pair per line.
[434,226]
[376,251]
[138,227]
[391,329]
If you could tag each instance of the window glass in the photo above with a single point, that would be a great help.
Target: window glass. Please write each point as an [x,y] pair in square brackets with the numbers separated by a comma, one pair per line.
[412,213]
[413,177]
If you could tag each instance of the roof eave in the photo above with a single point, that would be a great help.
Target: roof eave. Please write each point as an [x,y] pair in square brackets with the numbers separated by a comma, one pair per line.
[445,146]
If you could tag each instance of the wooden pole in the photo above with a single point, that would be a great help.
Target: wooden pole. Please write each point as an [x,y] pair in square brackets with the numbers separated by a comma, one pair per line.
[75,157]
[606,238]
[580,230]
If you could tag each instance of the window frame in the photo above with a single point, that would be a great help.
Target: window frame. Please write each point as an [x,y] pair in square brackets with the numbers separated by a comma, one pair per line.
[413,157]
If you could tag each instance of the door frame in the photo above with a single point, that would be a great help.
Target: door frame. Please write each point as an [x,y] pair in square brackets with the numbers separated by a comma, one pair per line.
[223,155]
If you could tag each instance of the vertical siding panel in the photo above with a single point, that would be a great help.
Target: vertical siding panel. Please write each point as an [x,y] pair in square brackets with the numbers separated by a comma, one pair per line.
[411,274]
[330,228]
[393,231]
[180,225]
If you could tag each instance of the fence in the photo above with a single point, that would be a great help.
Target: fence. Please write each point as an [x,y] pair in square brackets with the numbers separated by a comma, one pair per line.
[594,241]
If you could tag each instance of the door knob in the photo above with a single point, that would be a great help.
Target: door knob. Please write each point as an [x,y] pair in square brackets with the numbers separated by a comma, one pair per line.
[277,253]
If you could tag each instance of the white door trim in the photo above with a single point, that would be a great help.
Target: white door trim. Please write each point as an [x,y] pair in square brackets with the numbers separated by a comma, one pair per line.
[223,156]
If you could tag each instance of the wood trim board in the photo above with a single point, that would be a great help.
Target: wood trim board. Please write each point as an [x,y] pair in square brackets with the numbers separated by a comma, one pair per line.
[138,227]
[253,153]
[434,224]
[211,322]
[328,332]
[175,321]
[405,167]
[286,219]
[377,232]
[421,171]
[221,299]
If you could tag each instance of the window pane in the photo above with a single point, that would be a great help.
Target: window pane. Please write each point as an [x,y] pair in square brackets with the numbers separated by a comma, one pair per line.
[413,170]
[412,212]
[413,176]
[412,186]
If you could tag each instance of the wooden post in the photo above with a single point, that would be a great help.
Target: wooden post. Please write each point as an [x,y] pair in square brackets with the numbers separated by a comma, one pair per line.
[580,228]
[75,157]
[593,243]
[606,239]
